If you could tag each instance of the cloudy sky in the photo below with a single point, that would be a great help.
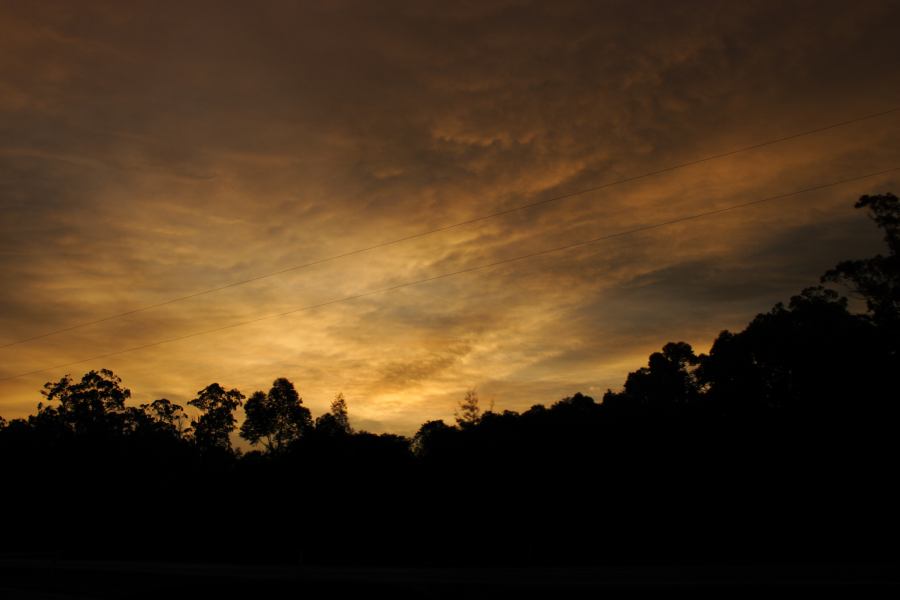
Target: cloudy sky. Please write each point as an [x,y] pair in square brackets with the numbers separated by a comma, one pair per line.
[151,150]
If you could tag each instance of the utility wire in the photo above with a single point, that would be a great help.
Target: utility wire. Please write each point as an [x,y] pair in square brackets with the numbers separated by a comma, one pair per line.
[455,225]
[497,263]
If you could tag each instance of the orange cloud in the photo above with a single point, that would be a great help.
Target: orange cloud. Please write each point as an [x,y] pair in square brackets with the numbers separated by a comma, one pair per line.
[148,152]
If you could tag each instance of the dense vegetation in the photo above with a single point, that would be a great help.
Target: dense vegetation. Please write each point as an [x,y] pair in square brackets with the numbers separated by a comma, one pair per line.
[780,444]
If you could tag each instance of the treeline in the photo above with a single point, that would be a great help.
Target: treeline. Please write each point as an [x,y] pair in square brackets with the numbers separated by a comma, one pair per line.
[780,444]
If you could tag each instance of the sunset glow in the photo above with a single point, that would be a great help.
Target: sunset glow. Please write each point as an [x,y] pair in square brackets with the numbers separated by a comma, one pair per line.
[150,151]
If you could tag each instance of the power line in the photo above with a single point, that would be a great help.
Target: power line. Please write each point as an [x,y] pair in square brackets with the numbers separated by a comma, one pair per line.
[455,225]
[504,261]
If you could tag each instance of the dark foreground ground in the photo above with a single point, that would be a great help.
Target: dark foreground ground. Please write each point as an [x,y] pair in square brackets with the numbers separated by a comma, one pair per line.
[46,579]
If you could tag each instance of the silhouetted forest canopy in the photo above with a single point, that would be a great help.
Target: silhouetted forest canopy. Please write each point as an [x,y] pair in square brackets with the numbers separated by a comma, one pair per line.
[779,444]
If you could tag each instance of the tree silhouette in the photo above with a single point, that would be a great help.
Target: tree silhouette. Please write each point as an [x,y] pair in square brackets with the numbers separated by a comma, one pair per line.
[166,416]
[666,382]
[96,404]
[276,419]
[340,412]
[336,422]
[877,279]
[211,430]
[468,413]
[432,436]
[810,356]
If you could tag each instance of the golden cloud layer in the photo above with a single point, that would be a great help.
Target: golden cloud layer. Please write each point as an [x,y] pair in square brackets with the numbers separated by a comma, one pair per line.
[150,151]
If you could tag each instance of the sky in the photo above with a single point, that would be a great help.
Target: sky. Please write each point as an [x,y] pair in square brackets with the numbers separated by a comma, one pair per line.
[152,150]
